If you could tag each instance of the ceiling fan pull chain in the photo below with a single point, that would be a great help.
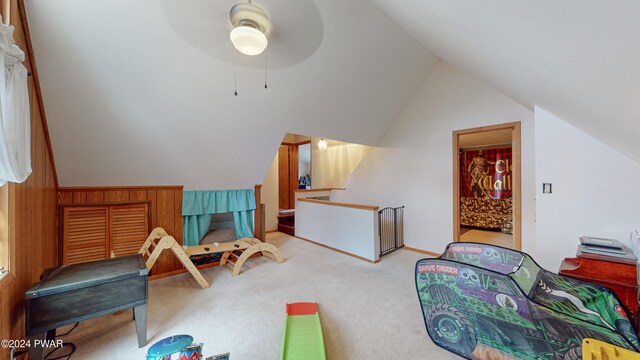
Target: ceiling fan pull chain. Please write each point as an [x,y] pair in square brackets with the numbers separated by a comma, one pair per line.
[265,72]
[235,73]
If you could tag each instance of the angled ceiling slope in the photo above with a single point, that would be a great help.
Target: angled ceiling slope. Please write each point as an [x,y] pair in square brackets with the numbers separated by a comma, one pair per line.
[141,92]
[579,59]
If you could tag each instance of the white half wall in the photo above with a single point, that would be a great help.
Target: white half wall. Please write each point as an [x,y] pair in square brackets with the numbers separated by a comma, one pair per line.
[351,230]
[413,165]
[594,190]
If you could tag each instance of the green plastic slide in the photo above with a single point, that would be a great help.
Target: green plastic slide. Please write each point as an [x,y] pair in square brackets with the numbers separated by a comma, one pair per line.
[302,338]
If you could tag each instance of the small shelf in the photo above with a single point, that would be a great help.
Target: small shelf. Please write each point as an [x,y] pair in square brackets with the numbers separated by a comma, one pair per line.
[287,229]
[287,221]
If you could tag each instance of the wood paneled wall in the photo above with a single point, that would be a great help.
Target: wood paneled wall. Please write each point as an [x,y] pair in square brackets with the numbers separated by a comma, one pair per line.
[165,208]
[32,210]
[258,220]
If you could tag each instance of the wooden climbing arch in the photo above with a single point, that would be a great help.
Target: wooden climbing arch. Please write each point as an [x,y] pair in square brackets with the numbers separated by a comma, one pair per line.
[234,253]
[237,258]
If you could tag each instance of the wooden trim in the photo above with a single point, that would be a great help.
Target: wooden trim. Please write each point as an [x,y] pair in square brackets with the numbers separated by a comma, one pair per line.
[258,193]
[286,143]
[60,241]
[516,178]
[477,148]
[284,185]
[257,214]
[488,128]
[340,251]
[517,189]
[456,186]
[36,83]
[270,231]
[333,203]
[421,251]
[293,175]
[103,188]
[6,281]
[320,189]
[109,203]
[13,230]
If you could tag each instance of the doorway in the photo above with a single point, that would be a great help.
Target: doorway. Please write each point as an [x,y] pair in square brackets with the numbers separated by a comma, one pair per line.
[294,169]
[294,173]
[486,185]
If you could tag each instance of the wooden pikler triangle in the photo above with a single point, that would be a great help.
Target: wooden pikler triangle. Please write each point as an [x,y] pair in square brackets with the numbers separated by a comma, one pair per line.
[234,253]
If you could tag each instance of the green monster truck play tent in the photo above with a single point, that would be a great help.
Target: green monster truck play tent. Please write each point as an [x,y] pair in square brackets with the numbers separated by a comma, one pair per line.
[485,302]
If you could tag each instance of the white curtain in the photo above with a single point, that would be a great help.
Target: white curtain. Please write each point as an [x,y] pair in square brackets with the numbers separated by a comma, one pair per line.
[15,121]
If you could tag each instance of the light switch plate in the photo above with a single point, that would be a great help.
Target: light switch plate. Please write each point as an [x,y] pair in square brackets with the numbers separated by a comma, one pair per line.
[546,188]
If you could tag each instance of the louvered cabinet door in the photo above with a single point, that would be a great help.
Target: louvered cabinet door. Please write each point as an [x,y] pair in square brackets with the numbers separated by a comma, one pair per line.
[85,234]
[129,228]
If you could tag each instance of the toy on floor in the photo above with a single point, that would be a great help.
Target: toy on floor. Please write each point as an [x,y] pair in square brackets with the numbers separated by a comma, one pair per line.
[484,302]
[302,338]
[593,349]
[224,356]
[191,352]
[183,344]
[234,253]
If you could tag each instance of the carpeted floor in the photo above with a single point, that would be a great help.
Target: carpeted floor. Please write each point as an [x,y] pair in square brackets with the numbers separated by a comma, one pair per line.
[368,311]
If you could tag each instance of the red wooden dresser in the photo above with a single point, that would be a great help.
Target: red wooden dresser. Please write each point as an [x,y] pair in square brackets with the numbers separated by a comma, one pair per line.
[621,278]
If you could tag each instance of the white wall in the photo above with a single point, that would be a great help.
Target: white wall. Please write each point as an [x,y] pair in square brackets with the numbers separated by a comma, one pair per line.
[413,165]
[333,166]
[595,190]
[161,111]
[347,229]
[269,195]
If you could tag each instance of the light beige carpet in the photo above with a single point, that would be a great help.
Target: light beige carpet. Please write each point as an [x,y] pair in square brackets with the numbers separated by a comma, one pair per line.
[368,311]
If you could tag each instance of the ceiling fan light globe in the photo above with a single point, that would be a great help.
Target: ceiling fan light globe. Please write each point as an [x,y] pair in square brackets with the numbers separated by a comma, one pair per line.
[248,40]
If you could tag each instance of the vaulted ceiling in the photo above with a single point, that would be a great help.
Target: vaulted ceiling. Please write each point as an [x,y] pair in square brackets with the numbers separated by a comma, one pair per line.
[141,92]
[579,59]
